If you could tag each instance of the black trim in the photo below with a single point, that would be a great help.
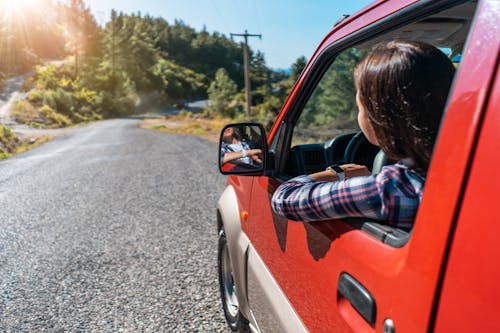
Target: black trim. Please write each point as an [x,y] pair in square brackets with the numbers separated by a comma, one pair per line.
[359,297]
[392,236]
[241,168]
[341,19]
[282,148]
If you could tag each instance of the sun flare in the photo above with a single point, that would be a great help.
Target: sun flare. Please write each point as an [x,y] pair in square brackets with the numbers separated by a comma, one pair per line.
[17,7]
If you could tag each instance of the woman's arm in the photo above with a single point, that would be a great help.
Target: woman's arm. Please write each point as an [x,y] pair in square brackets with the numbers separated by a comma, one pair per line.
[350,170]
[392,196]
[231,156]
[321,196]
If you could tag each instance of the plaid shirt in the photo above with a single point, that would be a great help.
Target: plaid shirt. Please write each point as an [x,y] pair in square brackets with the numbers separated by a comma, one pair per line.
[392,196]
[234,147]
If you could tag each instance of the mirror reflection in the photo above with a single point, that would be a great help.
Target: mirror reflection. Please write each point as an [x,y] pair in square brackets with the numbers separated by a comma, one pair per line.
[241,148]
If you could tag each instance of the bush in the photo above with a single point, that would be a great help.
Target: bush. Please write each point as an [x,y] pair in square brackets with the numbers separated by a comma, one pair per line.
[8,141]
[111,105]
[59,99]
[24,112]
[43,97]
[85,96]
[46,77]
[45,116]
[6,134]
[52,117]
[266,112]
[65,103]
[221,92]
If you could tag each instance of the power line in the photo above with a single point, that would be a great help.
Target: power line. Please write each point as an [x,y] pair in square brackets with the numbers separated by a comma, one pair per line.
[238,11]
[223,19]
[256,15]
[246,62]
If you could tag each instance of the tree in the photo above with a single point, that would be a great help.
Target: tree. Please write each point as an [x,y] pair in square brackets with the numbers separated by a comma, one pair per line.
[221,92]
[333,100]
[142,55]
[80,29]
[29,35]
[178,82]
[259,73]
[298,67]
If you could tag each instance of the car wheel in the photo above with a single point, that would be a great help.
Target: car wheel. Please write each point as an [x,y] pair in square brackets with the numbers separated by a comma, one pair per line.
[234,317]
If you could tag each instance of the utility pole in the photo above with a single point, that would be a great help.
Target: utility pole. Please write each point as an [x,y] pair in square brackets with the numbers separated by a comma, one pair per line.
[246,64]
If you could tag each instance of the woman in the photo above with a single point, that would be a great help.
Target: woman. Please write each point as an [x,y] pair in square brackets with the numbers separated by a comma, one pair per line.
[236,150]
[402,87]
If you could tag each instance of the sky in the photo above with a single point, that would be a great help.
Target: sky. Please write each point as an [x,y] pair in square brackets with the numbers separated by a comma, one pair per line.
[289,29]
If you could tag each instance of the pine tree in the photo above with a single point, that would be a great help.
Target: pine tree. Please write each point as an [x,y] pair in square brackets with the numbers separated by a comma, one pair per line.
[80,29]
[298,67]
[221,92]
[333,100]
[259,73]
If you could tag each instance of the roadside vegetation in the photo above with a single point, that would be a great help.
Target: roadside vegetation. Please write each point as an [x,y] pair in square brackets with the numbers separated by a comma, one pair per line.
[188,123]
[10,144]
[134,64]
[7,141]
[56,99]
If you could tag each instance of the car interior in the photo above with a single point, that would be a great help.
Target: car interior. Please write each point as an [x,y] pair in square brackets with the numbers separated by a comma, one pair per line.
[314,146]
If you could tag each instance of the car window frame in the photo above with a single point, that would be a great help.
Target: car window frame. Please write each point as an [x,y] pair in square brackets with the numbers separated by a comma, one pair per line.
[324,61]
[394,237]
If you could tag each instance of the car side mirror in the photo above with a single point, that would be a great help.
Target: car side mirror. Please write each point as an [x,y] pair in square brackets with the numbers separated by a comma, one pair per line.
[242,149]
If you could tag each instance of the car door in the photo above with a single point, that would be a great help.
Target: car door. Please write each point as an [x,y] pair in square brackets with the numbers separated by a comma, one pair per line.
[343,277]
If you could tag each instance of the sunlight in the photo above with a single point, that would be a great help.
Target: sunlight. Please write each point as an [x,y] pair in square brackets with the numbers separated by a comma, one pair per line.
[17,7]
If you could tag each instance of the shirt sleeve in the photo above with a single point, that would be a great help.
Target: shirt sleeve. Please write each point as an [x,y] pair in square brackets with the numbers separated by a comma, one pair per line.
[224,148]
[389,197]
[304,199]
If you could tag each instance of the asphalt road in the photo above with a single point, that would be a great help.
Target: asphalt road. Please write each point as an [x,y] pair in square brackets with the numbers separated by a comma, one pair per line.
[110,229]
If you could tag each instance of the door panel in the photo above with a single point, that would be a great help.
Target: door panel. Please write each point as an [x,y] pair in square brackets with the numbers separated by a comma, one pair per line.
[307,259]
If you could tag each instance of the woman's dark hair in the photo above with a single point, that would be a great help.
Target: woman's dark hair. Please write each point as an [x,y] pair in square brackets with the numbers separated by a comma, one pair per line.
[403,86]
[237,133]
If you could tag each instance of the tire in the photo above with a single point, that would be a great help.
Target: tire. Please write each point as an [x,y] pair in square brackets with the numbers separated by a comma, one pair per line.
[235,319]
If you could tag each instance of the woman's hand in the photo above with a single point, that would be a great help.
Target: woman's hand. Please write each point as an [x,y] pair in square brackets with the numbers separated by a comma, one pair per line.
[350,170]
[255,154]
[355,170]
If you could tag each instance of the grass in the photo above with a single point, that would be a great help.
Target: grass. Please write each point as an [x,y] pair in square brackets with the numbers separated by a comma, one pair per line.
[8,142]
[189,124]
[11,145]
[25,112]
[30,145]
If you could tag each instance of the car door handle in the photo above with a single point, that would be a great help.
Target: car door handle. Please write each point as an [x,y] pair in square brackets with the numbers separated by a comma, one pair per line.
[359,297]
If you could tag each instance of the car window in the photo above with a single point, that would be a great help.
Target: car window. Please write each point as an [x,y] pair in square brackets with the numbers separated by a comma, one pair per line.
[331,109]
[326,131]
[328,120]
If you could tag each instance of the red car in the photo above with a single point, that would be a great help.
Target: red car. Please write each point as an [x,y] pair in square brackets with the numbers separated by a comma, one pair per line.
[357,275]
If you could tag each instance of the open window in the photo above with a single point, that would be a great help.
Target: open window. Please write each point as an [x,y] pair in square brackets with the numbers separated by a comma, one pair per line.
[323,129]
